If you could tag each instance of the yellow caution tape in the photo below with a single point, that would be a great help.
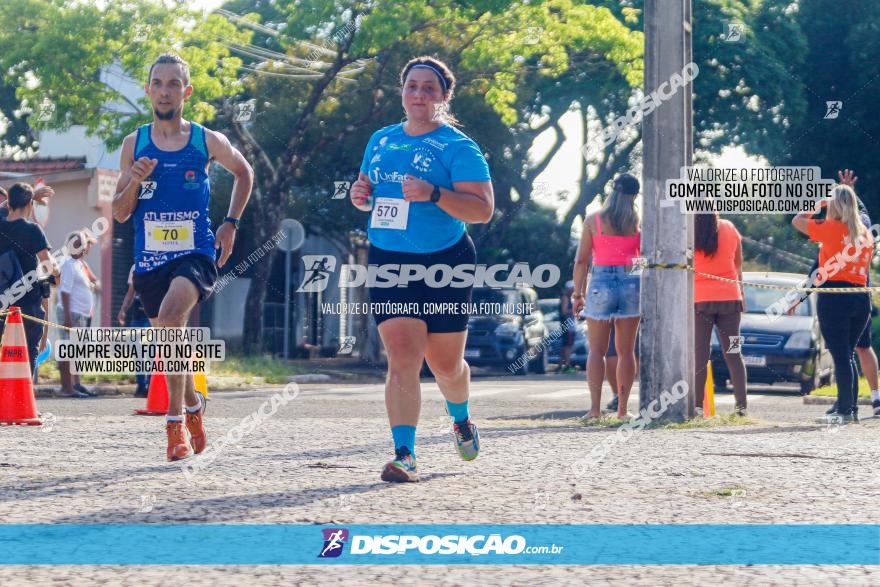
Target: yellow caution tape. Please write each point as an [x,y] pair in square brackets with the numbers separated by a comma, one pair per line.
[40,320]
[761,285]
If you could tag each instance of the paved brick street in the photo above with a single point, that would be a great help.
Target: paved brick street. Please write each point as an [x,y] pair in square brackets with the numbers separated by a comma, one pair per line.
[318,461]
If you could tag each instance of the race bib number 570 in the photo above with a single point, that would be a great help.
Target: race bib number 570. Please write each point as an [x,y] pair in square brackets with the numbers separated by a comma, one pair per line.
[390,213]
[168,236]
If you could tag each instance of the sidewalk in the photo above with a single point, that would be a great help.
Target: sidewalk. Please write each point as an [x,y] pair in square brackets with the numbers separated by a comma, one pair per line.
[298,469]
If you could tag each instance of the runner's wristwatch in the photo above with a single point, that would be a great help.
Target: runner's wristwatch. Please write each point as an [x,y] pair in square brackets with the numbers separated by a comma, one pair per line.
[232,221]
[435,195]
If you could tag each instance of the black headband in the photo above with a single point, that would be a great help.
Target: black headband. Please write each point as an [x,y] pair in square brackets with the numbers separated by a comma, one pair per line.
[433,68]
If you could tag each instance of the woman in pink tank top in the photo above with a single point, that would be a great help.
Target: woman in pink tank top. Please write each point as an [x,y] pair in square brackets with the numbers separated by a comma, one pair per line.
[610,242]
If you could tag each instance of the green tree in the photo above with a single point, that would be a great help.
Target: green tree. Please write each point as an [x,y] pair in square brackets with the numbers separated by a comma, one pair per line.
[328,76]
[841,65]
[55,52]
[17,135]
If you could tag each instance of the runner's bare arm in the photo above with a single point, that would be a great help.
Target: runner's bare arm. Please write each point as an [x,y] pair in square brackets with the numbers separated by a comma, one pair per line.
[470,201]
[222,151]
[132,174]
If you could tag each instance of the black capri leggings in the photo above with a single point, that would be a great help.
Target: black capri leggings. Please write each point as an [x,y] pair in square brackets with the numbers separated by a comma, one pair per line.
[842,318]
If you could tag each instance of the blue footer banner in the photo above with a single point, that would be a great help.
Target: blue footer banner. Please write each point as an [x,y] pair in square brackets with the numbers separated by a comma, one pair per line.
[491,544]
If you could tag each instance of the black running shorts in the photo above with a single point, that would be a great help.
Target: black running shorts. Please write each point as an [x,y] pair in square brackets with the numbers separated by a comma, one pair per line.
[152,286]
[433,305]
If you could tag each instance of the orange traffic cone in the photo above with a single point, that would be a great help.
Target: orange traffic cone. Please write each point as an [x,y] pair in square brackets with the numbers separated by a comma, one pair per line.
[157,397]
[17,403]
[709,394]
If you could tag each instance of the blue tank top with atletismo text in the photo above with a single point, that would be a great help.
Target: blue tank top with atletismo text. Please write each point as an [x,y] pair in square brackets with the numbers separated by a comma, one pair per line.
[171,218]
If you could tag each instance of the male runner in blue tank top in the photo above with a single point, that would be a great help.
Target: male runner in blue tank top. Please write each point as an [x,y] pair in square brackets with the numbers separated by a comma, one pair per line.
[164,183]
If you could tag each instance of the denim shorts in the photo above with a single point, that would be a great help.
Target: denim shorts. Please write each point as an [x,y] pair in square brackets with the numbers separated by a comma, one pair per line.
[612,293]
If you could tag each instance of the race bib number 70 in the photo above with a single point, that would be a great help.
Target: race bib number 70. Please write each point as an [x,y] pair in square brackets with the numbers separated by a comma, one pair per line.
[168,236]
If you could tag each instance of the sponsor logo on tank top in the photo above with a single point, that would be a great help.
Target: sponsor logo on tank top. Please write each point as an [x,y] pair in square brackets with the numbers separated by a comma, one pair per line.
[190,182]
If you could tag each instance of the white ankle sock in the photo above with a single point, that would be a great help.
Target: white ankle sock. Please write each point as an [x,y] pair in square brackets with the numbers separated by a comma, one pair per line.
[875,395]
[174,418]
[197,407]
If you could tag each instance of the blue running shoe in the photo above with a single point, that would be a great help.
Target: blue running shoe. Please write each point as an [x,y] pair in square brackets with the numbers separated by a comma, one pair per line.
[402,469]
[467,439]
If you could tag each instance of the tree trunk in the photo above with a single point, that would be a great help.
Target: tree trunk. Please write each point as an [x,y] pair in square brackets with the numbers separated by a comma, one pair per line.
[268,211]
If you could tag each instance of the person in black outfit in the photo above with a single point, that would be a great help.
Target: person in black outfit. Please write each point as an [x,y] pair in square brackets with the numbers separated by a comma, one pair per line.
[138,320]
[27,243]
[864,348]
[845,251]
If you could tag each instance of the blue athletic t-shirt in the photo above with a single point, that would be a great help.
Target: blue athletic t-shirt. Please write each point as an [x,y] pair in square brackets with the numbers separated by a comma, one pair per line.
[441,157]
[171,217]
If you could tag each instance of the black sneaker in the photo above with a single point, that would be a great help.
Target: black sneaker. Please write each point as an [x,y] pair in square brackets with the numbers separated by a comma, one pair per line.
[876,405]
[84,390]
[612,405]
[832,409]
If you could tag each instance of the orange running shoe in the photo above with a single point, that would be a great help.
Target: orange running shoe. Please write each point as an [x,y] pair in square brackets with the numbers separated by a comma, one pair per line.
[195,423]
[177,447]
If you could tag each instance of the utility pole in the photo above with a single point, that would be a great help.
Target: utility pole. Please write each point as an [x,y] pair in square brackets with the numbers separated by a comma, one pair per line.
[667,302]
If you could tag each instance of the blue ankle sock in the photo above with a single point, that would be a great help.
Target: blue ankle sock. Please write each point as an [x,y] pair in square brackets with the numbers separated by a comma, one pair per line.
[459,412]
[404,436]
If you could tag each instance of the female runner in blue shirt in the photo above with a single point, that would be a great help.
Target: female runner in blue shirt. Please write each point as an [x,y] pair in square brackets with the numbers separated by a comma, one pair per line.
[422,180]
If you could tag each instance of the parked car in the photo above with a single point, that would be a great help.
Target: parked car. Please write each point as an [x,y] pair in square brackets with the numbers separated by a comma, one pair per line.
[782,349]
[550,309]
[500,339]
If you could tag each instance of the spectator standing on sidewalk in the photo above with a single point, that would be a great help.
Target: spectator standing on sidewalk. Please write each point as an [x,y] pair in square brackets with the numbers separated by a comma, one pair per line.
[568,323]
[609,246]
[75,302]
[845,250]
[718,304]
[23,246]
[138,320]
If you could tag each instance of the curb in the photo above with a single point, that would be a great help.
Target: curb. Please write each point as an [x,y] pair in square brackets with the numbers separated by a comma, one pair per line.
[827,400]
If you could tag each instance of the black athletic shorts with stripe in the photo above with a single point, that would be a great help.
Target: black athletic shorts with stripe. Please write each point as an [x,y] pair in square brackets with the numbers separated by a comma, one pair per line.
[419,295]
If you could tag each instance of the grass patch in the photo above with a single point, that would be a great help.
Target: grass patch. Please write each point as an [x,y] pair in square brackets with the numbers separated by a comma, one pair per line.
[254,369]
[725,491]
[603,422]
[726,420]
[49,374]
[831,390]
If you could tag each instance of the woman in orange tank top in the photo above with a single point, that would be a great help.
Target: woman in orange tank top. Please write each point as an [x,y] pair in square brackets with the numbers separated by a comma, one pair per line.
[718,304]
[845,250]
